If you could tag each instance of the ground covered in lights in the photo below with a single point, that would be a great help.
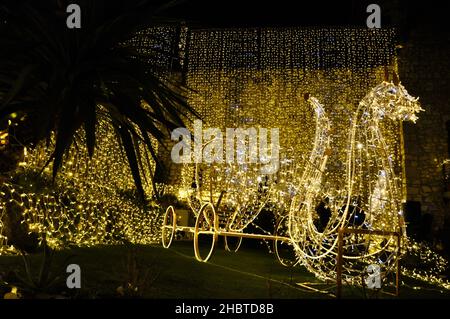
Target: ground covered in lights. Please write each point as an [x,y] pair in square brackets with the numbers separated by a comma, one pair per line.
[174,273]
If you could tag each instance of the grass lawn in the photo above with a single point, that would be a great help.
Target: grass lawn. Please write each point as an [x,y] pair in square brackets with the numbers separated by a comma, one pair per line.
[249,273]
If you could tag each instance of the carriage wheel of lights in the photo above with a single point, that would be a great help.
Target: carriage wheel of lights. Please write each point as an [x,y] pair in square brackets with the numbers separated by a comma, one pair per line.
[226,198]
[170,224]
[367,209]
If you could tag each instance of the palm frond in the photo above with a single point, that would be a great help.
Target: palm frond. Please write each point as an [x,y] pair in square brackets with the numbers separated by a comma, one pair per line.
[64,80]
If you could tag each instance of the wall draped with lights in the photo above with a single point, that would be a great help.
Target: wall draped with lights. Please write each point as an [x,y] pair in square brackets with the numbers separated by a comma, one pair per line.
[258,77]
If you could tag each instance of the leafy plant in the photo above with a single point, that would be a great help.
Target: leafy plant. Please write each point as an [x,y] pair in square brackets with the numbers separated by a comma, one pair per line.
[62,81]
[138,278]
[45,279]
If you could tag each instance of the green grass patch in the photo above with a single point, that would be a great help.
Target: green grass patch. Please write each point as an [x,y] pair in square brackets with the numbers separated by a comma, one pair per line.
[174,273]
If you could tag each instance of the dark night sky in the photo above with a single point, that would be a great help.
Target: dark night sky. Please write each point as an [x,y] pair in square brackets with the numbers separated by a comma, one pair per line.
[403,14]
[281,12]
[400,13]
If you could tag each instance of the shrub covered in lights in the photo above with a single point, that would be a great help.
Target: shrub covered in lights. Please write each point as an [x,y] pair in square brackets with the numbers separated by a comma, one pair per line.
[93,200]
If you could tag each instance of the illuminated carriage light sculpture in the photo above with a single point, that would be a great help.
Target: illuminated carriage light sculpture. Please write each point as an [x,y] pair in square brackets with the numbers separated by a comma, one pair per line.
[368,204]
[227,198]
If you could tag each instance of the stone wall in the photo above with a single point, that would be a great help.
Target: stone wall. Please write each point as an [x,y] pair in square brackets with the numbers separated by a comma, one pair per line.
[424,66]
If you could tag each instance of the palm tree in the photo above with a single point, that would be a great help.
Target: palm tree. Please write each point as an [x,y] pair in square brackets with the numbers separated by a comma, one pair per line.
[59,80]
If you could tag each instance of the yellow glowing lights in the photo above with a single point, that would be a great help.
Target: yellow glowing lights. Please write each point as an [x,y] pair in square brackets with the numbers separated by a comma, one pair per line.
[90,204]
[4,137]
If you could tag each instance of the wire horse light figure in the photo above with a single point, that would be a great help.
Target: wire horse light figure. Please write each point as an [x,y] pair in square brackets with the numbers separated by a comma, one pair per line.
[370,198]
